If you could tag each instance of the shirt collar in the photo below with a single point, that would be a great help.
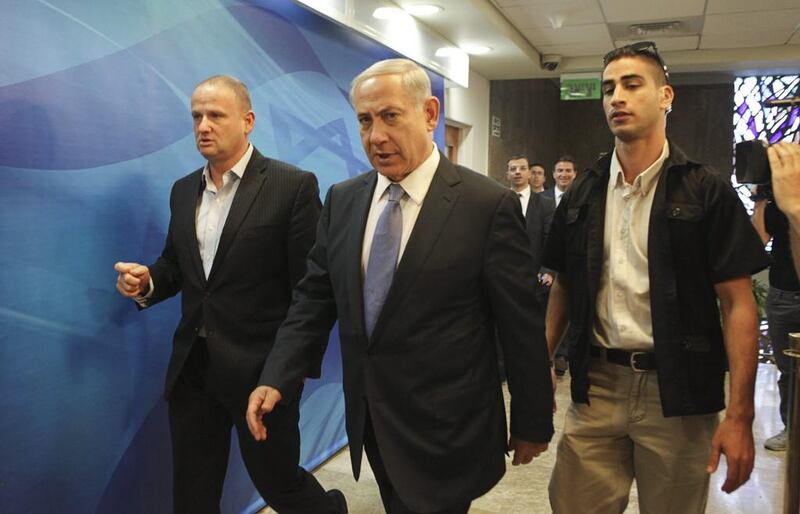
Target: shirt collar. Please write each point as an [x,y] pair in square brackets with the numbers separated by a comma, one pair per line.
[238,168]
[525,193]
[646,179]
[416,183]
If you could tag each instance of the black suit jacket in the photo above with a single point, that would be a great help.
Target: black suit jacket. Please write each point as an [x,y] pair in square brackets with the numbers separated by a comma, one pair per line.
[538,218]
[549,193]
[261,256]
[428,375]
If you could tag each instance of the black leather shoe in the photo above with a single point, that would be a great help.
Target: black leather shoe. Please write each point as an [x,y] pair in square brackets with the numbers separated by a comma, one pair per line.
[338,500]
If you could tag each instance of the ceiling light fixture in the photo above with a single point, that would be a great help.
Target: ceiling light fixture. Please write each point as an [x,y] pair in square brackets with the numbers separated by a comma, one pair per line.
[556,20]
[388,13]
[476,49]
[423,9]
[446,51]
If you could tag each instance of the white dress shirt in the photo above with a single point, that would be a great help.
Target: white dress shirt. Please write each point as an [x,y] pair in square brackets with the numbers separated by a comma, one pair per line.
[416,186]
[623,302]
[212,212]
[524,198]
[214,206]
[557,194]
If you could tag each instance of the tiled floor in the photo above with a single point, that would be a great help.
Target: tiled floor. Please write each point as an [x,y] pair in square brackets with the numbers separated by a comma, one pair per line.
[524,488]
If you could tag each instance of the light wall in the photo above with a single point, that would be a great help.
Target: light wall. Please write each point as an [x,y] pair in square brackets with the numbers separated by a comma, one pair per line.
[468,108]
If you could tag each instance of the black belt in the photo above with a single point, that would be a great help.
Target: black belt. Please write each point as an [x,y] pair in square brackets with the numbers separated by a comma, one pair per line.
[637,361]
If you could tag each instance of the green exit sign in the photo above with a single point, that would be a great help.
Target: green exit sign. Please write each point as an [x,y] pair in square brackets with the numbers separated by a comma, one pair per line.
[580,88]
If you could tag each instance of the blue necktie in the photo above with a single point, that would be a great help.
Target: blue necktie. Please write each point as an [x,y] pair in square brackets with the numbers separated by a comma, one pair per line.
[383,257]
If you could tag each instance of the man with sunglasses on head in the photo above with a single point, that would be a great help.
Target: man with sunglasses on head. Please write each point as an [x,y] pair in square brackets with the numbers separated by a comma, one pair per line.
[646,242]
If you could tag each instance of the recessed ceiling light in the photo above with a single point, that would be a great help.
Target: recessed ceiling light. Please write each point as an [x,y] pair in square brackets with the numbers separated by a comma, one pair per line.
[423,9]
[447,51]
[476,49]
[388,13]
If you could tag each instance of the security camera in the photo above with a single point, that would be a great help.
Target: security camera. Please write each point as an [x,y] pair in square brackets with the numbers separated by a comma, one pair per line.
[550,62]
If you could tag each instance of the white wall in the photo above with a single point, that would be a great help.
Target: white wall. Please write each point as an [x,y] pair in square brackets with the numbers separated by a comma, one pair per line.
[468,108]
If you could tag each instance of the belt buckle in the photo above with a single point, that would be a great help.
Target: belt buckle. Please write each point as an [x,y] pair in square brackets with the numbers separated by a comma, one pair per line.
[633,362]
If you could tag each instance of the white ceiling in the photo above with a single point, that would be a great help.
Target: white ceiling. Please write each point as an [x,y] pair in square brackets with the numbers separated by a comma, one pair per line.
[736,36]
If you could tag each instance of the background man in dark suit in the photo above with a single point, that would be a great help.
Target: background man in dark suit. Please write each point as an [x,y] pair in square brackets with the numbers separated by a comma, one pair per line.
[239,232]
[538,212]
[419,260]
[538,177]
[564,173]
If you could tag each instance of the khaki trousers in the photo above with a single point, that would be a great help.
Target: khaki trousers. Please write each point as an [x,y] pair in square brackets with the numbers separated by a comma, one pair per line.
[623,435]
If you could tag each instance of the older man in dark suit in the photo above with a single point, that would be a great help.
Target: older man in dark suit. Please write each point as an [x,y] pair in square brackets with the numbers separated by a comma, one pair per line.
[419,260]
[239,232]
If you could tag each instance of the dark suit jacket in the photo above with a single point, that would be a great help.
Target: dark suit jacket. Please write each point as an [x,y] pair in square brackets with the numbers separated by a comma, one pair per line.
[428,376]
[261,256]
[538,218]
[550,192]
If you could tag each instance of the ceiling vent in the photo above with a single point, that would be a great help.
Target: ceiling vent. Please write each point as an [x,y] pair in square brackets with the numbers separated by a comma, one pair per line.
[656,29]
[653,29]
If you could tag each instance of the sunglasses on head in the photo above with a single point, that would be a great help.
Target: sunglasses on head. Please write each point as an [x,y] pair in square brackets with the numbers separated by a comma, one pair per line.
[645,48]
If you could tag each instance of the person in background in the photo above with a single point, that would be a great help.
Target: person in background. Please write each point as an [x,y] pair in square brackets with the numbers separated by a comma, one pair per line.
[537,177]
[538,212]
[564,173]
[784,159]
[783,298]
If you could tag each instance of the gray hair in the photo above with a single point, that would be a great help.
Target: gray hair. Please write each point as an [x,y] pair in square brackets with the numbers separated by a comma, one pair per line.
[414,79]
[234,84]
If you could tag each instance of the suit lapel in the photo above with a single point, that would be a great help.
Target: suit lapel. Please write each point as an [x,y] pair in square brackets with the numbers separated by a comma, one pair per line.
[530,212]
[355,244]
[252,180]
[187,227]
[433,216]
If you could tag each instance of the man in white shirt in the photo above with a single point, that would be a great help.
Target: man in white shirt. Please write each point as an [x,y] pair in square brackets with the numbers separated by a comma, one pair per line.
[239,232]
[564,173]
[646,243]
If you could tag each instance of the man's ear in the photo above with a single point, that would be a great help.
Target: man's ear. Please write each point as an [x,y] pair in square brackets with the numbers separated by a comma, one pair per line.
[667,96]
[249,121]
[431,109]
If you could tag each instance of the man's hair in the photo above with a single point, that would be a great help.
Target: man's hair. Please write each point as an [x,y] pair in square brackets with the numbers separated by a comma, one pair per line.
[517,157]
[537,164]
[566,158]
[651,57]
[234,84]
[414,79]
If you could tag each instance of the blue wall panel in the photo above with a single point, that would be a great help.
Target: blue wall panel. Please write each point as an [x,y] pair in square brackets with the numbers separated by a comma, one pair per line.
[94,100]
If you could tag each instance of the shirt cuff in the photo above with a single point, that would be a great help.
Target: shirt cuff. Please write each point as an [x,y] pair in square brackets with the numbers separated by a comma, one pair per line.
[144,300]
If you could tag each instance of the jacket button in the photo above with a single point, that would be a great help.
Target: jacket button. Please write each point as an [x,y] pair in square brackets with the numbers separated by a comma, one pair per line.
[676,211]
[206,296]
[687,344]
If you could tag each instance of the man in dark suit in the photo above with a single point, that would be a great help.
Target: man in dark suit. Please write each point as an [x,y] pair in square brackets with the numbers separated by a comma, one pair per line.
[239,232]
[538,177]
[564,173]
[538,211]
[419,260]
